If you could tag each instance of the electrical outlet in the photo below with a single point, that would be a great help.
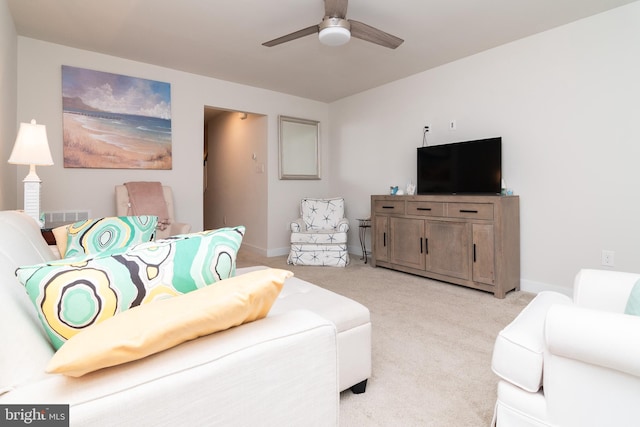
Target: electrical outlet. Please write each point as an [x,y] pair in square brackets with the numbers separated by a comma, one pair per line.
[427,128]
[608,258]
[452,125]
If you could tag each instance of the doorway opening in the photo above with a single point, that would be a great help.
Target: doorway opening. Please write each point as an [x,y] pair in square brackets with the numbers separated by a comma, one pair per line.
[236,173]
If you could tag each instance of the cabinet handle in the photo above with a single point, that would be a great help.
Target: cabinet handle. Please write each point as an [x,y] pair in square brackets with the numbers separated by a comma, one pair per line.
[474,252]
[388,207]
[468,211]
[426,245]
[384,239]
[424,209]
[421,245]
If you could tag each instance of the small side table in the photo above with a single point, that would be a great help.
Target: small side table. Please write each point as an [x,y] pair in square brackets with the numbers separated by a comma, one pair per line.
[47,233]
[363,224]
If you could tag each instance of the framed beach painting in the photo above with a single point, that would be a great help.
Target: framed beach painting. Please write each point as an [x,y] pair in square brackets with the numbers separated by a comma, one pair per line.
[111,121]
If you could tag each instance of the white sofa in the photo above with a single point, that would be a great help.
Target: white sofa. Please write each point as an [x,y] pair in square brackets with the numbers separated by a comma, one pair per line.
[286,369]
[572,362]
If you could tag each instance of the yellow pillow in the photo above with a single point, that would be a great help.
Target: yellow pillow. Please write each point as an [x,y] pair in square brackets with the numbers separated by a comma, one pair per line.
[151,328]
[60,233]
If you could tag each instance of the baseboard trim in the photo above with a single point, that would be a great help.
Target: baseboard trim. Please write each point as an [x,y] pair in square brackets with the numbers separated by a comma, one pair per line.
[537,287]
[278,252]
[253,249]
[357,250]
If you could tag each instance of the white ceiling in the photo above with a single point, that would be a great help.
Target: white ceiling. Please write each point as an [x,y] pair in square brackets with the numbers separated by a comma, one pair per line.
[223,39]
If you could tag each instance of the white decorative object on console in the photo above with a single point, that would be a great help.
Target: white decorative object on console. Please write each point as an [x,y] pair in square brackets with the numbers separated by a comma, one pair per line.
[32,148]
[411,189]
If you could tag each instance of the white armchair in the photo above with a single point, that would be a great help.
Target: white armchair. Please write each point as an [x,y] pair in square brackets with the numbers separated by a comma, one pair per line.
[319,236]
[565,362]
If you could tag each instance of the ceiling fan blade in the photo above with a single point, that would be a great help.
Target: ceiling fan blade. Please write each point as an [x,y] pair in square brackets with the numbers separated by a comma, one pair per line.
[295,35]
[374,35]
[335,8]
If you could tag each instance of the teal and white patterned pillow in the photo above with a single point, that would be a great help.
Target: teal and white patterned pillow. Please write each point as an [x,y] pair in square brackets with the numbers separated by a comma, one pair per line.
[70,295]
[633,303]
[107,234]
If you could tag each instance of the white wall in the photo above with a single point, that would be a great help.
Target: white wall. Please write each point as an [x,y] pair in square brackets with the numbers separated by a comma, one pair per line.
[237,177]
[8,102]
[566,103]
[39,96]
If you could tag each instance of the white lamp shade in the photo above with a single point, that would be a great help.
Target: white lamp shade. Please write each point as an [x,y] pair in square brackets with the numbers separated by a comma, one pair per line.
[334,36]
[32,146]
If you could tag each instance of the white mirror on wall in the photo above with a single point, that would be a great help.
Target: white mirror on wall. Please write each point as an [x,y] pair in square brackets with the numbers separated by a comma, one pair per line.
[299,148]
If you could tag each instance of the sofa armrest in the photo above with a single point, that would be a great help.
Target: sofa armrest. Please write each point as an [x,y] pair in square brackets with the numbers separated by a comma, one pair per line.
[297,225]
[592,374]
[280,370]
[603,290]
[518,352]
[600,338]
[343,225]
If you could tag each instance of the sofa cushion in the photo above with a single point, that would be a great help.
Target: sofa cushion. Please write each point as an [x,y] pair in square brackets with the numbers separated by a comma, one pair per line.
[337,256]
[106,234]
[25,348]
[322,214]
[151,328]
[297,294]
[343,312]
[321,237]
[633,303]
[71,295]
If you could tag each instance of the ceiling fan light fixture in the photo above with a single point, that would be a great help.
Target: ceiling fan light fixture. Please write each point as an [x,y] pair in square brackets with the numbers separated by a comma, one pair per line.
[334,31]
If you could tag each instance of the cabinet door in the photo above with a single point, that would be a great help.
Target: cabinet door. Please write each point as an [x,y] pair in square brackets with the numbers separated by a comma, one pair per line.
[407,242]
[483,254]
[448,248]
[381,238]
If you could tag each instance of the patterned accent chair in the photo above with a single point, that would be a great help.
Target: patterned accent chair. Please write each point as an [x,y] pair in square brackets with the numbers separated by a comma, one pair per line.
[319,236]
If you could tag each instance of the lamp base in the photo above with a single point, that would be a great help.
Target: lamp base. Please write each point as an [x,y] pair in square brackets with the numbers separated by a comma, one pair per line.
[32,195]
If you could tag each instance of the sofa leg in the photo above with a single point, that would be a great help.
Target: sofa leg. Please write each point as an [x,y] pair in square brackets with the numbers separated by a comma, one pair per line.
[360,387]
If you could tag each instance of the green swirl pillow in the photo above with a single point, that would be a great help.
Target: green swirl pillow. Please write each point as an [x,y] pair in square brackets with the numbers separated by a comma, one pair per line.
[633,303]
[94,236]
[70,295]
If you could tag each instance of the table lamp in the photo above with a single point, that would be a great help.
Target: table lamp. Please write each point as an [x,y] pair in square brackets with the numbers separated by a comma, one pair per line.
[31,148]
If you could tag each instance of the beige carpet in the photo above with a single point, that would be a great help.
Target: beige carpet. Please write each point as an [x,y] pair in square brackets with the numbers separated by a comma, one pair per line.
[432,345]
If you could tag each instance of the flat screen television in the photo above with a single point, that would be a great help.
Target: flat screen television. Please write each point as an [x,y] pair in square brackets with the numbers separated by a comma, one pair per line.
[470,167]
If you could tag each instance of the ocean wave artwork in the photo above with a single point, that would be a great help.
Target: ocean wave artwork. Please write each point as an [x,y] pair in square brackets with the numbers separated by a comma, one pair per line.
[112,121]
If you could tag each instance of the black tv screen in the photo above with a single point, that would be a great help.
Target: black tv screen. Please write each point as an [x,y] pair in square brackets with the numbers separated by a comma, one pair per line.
[470,167]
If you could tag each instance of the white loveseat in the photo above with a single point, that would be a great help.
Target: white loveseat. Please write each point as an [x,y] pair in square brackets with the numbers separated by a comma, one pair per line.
[572,362]
[285,369]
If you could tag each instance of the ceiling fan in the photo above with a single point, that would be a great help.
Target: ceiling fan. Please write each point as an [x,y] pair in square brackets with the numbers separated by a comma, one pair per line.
[336,30]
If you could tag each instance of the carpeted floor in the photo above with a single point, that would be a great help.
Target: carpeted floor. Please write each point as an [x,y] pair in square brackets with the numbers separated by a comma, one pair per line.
[432,344]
